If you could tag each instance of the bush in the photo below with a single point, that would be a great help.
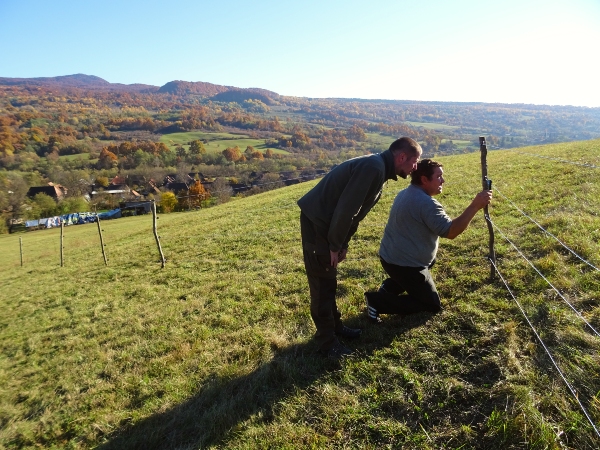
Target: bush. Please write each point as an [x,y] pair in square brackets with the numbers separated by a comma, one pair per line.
[168,202]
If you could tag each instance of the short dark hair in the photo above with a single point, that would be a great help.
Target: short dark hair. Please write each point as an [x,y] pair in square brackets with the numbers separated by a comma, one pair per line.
[425,167]
[406,145]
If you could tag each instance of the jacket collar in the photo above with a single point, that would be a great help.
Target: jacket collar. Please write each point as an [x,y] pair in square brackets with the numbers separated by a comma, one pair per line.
[390,170]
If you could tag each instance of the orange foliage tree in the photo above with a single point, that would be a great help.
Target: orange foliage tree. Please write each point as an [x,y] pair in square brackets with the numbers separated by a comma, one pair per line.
[196,194]
[232,153]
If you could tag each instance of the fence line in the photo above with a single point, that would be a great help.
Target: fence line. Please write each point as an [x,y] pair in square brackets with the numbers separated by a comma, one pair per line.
[569,386]
[308,177]
[546,231]
[591,166]
[546,280]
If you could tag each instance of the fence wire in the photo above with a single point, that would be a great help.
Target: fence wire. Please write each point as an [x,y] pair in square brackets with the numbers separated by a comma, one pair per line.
[566,161]
[545,279]
[560,372]
[269,183]
[546,231]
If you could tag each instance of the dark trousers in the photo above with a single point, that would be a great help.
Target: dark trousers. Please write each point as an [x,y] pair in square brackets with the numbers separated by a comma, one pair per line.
[421,294]
[322,282]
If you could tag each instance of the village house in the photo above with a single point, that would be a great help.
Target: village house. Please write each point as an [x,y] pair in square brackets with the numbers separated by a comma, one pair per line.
[56,191]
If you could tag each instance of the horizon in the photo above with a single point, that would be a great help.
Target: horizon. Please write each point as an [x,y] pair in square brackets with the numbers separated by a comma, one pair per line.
[516,52]
[317,98]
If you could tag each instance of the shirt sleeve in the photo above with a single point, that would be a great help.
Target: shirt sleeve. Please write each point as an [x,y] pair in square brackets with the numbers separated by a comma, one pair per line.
[436,218]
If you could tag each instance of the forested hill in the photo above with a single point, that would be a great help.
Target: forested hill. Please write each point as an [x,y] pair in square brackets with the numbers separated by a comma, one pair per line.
[77,81]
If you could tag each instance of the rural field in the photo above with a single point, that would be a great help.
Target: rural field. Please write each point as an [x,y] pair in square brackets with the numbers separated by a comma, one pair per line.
[217,142]
[215,350]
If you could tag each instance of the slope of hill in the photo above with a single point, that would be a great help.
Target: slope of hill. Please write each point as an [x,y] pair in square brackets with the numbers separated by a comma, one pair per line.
[239,95]
[176,87]
[179,87]
[215,349]
[77,81]
[218,92]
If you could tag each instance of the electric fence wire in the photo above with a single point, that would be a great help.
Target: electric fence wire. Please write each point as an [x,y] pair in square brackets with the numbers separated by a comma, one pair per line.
[588,165]
[546,231]
[591,166]
[229,190]
[564,378]
[545,279]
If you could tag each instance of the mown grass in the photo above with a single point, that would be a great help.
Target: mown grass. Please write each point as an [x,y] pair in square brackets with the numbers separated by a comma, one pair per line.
[215,350]
[217,142]
[432,126]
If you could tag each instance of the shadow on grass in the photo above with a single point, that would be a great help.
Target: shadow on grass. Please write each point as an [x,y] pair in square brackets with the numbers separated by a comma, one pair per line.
[222,403]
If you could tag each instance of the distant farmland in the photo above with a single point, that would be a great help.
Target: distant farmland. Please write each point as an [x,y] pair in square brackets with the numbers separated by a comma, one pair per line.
[217,142]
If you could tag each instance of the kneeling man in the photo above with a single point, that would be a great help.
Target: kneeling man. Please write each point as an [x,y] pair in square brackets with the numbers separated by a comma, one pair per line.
[410,243]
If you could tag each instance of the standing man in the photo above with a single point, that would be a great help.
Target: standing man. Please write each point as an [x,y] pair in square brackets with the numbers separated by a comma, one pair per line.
[410,243]
[330,213]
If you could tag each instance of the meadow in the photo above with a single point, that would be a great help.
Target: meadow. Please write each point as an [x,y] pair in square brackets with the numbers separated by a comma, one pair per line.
[432,125]
[215,350]
[217,142]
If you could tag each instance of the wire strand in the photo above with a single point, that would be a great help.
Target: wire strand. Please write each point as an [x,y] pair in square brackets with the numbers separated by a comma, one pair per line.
[545,279]
[591,166]
[569,386]
[546,231]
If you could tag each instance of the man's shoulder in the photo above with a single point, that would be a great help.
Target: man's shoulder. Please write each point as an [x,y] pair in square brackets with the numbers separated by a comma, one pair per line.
[367,161]
[413,192]
[414,197]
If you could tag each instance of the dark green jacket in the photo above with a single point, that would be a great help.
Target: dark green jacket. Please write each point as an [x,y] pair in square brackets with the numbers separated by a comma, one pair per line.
[346,194]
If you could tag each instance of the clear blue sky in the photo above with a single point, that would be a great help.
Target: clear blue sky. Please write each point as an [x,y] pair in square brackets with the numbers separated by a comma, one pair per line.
[513,51]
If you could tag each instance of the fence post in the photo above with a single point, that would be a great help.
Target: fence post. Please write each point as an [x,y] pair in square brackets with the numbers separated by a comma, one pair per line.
[156,236]
[101,240]
[487,185]
[62,227]
[21,249]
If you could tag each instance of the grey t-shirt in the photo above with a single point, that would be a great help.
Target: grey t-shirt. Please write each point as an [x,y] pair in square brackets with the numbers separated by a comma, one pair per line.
[412,233]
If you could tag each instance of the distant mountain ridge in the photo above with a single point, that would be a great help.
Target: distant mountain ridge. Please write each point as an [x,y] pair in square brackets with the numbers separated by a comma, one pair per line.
[217,91]
[79,80]
[177,87]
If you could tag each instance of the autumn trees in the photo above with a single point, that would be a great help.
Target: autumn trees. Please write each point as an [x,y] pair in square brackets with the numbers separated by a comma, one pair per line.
[232,154]
[194,197]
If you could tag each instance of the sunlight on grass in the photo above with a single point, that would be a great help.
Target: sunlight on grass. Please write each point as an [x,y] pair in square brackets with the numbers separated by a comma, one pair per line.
[215,350]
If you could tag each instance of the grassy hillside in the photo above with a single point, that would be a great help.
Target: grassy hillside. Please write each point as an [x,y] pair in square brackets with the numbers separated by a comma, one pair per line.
[215,350]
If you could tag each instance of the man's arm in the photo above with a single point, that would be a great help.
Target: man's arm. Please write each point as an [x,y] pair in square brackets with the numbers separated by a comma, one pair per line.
[461,223]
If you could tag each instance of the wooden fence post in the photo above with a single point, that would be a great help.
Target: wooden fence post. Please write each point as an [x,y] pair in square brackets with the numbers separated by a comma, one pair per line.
[487,185]
[21,249]
[101,240]
[156,236]
[62,227]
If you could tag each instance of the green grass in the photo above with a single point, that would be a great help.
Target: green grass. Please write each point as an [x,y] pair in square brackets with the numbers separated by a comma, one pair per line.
[83,156]
[461,143]
[217,142]
[215,350]
[432,126]
[380,140]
